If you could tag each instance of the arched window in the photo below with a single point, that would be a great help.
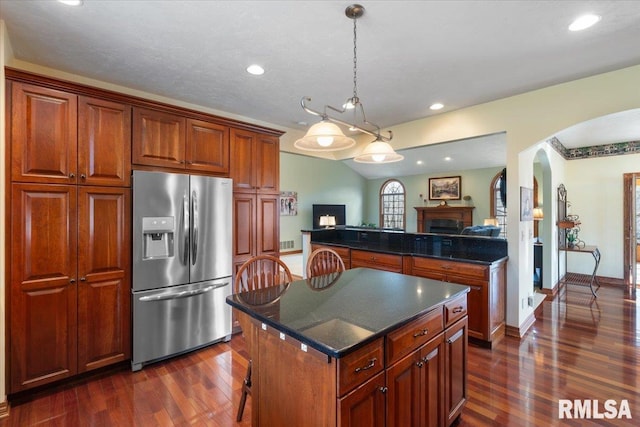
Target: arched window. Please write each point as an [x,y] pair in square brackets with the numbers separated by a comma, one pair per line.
[392,206]
[498,201]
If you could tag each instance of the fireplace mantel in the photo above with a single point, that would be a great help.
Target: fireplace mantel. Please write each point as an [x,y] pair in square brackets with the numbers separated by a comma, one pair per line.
[460,213]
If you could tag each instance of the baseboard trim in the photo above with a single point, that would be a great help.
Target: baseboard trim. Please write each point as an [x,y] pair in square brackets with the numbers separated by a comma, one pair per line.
[297,251]
[4,409]
[518,332]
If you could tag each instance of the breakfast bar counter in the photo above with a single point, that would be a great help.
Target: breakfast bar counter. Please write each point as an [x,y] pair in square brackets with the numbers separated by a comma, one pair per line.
[339,349]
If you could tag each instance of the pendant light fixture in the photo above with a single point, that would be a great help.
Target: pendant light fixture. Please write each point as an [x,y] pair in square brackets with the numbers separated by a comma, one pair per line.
[327,136]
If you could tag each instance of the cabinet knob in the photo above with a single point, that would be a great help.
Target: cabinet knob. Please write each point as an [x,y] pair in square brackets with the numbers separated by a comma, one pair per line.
[83,279]
[72,175]
[420,364]
[72,280]
[83,176]
[383,389]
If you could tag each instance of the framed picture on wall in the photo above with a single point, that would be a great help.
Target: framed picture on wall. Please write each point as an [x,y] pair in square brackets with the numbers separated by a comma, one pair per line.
[526,204]
[445,188]
[288,203]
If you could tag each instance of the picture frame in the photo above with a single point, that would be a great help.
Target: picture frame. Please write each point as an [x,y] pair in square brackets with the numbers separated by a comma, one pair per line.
[445,188]
[288,203]
[526,204]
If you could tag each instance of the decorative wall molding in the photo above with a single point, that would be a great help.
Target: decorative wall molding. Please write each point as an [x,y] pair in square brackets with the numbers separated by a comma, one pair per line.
[617,149]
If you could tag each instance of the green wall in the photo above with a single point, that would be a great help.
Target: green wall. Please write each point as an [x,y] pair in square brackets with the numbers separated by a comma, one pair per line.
[475,183]
[318,181]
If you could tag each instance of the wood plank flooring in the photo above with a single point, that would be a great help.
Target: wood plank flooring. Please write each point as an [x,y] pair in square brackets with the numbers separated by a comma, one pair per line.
[579,348]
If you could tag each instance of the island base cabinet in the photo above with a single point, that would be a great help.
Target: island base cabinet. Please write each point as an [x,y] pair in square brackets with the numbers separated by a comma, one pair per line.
[364,406]
[455,340]
[292,385]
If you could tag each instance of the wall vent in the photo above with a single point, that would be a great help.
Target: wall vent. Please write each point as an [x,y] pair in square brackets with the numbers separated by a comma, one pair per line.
[286,244]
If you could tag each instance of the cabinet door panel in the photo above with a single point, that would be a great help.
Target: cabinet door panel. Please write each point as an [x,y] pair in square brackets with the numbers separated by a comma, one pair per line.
[403,395]
[268,220]
[244,212]
[158,138]
[43,297]
[243,155]
[268,164]
[432,370]
[103,270]
[43,135]
[364,407]
[456,370]
[207,147]
[104,142]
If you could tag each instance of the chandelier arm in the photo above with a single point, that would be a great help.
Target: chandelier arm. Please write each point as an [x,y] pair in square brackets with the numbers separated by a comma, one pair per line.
[303,102]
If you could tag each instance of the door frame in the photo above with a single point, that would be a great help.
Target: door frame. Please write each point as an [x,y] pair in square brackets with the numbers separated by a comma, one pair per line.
[629,225]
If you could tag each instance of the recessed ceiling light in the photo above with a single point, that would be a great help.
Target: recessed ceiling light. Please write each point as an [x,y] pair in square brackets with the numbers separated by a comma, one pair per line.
[419,162]
[255,69]
[583,22]
[71,2]
[447,159]
[436,106]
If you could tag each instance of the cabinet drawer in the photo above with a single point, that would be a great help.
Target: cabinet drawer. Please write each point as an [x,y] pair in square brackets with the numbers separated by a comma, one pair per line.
[412,335]
[456,309]
[452,267]
[376,260]
[357,367]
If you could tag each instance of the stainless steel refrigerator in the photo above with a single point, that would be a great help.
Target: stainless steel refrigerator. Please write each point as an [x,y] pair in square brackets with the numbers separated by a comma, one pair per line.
[182,263]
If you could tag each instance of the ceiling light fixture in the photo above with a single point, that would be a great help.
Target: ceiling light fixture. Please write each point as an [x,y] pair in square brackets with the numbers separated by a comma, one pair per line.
[71,2]
[379,151]
[583,22]
[255,69]
[436,106]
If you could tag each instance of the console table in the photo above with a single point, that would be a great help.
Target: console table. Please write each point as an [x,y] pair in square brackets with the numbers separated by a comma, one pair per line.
[460,213]
[578,279]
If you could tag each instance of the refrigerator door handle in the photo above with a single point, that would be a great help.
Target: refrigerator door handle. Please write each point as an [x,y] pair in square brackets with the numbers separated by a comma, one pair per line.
[194,227]
[185,230]
[183,294]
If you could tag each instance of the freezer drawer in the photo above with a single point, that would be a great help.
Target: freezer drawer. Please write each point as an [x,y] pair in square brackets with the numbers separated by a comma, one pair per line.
[173,320]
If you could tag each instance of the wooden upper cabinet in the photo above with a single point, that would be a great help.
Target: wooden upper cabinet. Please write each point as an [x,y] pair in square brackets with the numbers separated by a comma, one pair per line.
[158,138]
[43,134]
[255,161]
[104,142]
[243,159]
[207,147]
[268,167]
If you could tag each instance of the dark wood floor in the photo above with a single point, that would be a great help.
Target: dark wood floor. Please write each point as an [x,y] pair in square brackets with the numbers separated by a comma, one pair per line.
[579,348]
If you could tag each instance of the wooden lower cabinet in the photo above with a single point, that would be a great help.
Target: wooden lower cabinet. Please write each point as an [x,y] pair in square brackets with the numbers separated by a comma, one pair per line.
[455,389]
[70,281]
[486,298]
[364,406]
[415,385]
[377,260]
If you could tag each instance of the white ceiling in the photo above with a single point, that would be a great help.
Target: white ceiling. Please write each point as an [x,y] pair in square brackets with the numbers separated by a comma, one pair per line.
[410,53]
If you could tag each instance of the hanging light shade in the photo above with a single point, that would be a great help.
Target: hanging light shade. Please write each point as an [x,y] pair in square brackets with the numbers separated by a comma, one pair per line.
[324,136]
[378,152]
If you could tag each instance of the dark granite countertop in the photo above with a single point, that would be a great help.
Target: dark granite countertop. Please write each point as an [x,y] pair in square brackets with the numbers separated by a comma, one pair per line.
[360,306]
[473,249]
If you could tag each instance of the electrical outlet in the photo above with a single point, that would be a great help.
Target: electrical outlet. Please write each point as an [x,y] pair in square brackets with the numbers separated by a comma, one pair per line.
[530,300]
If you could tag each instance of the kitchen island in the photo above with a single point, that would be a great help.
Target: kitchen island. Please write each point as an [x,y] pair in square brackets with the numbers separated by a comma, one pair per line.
[361,347]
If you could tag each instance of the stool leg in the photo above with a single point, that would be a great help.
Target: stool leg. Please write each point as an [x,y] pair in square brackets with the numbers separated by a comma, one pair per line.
[246,389]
